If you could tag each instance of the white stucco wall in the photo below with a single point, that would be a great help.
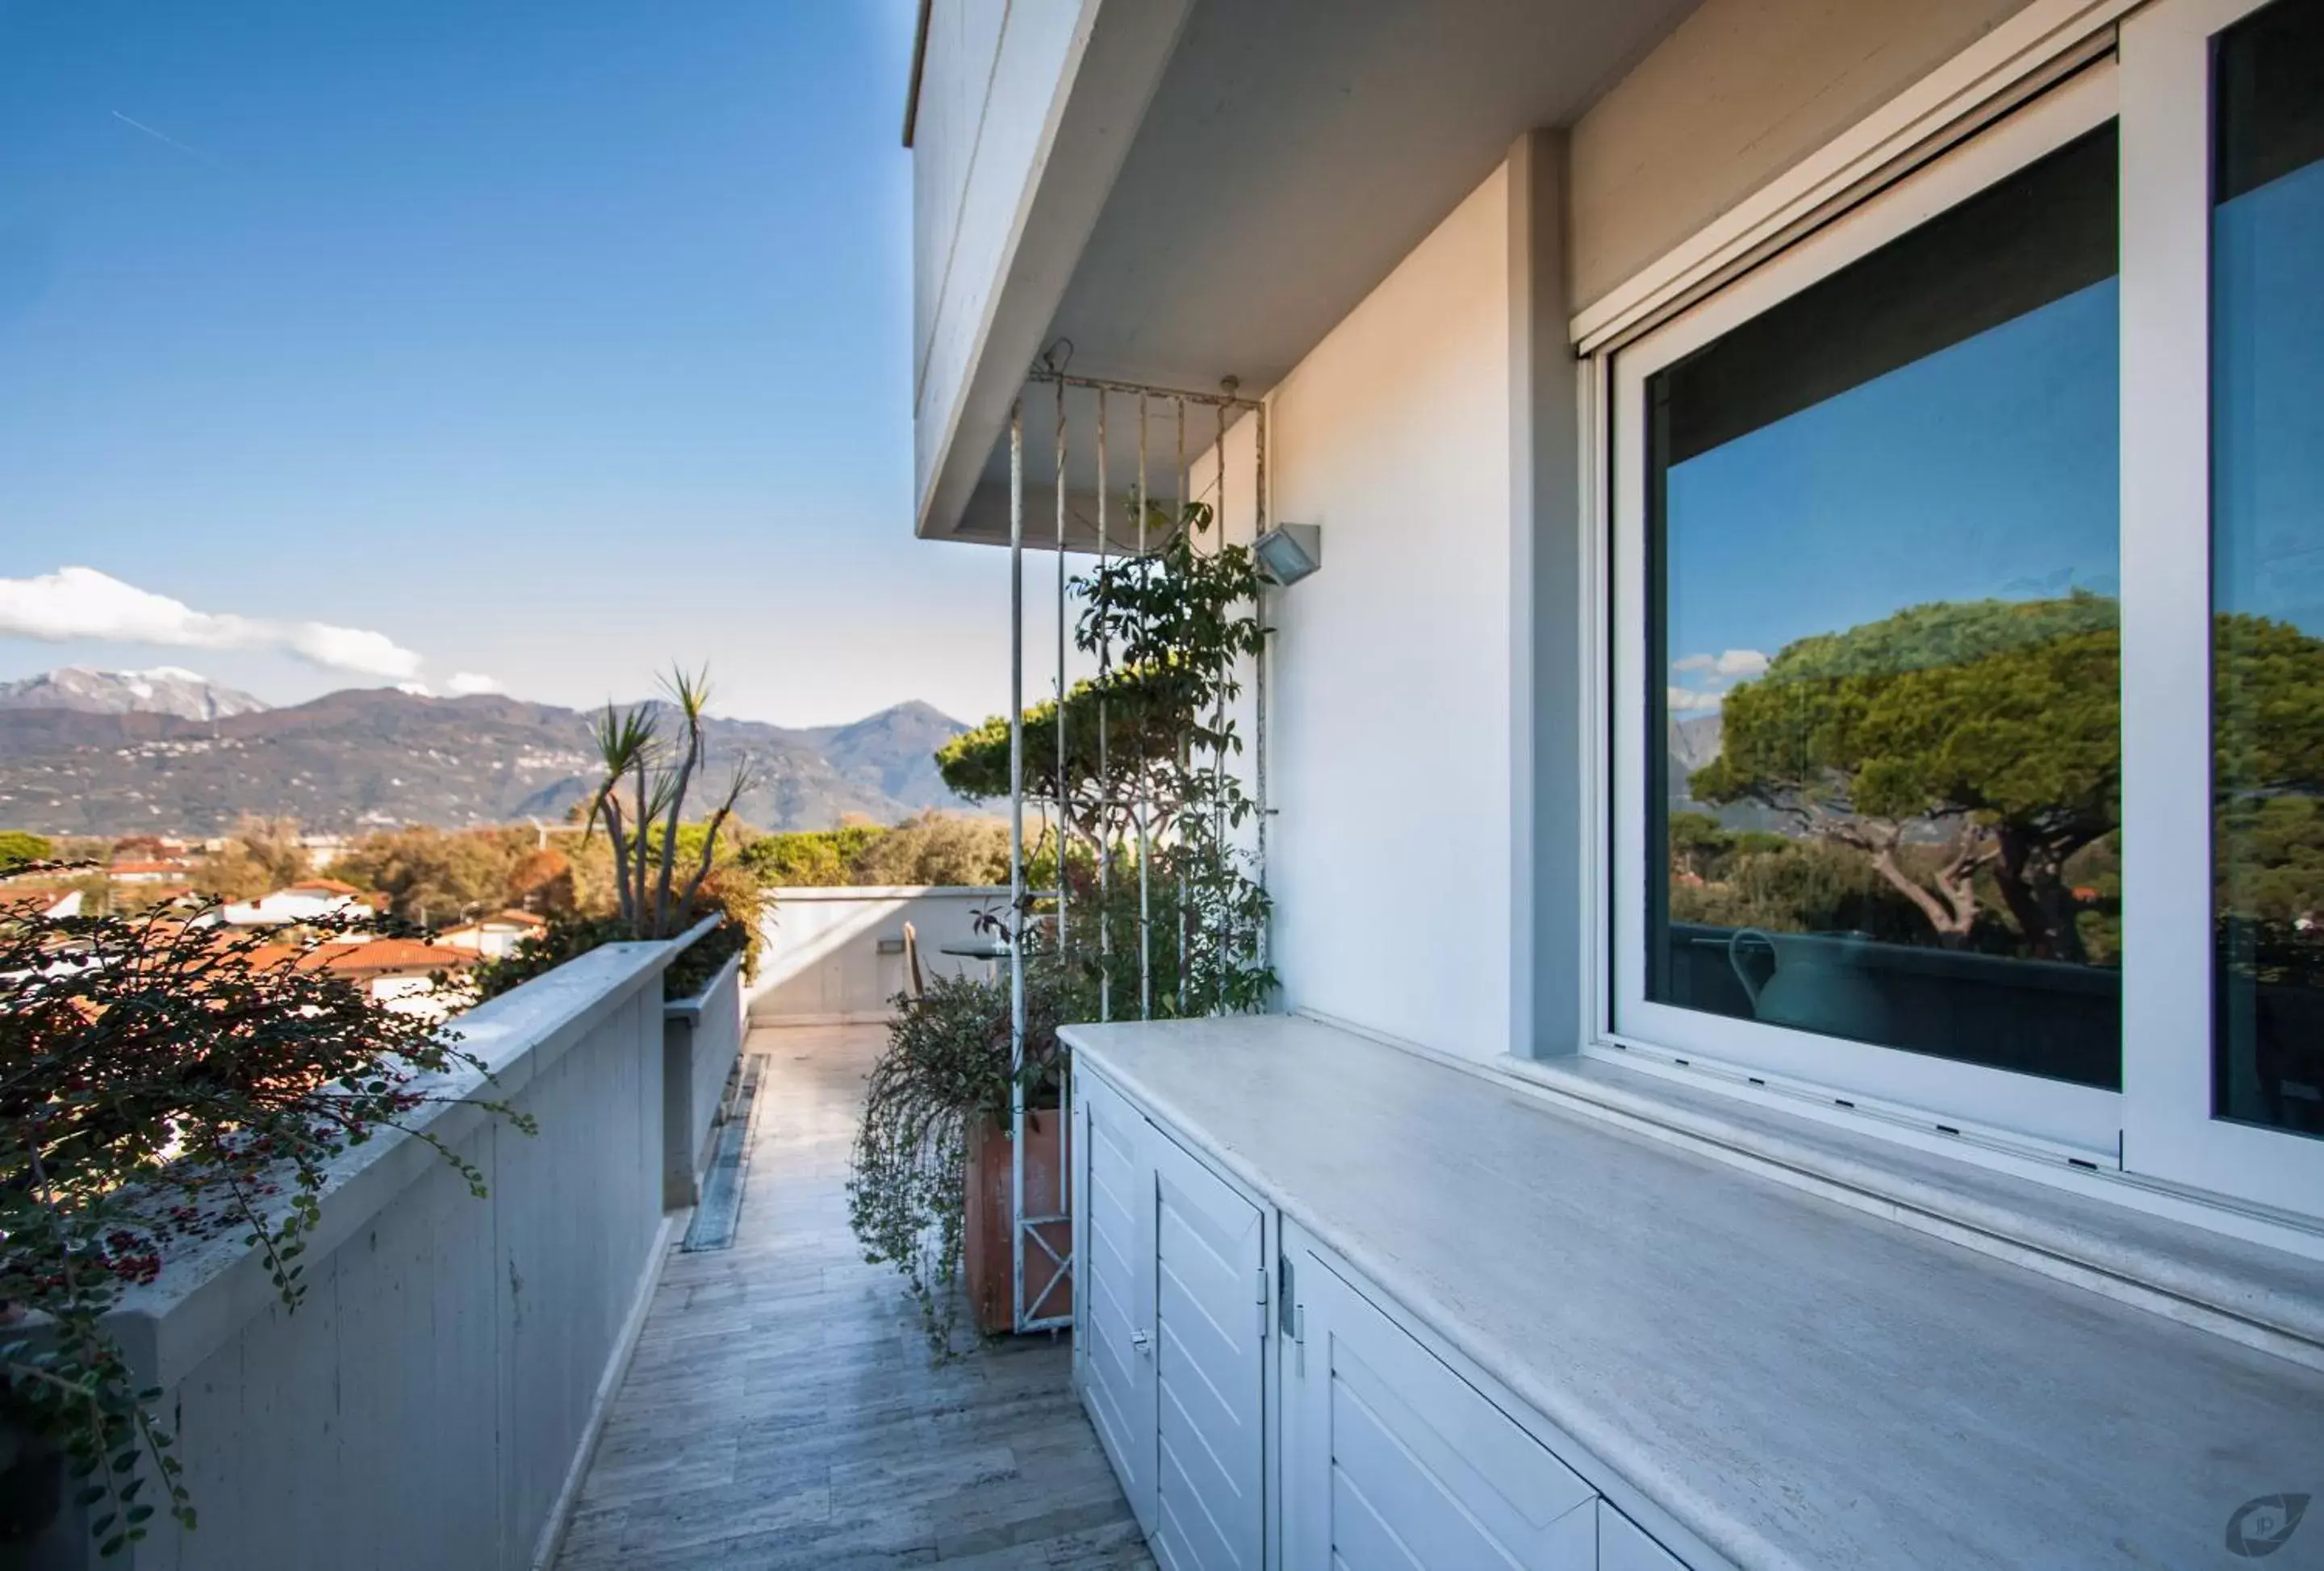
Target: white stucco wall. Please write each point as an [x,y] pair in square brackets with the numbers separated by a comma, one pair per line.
[1391,728]
[819,959]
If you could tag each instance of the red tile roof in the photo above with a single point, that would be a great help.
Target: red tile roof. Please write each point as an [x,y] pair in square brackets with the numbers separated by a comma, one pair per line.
[361,957]
[319,886]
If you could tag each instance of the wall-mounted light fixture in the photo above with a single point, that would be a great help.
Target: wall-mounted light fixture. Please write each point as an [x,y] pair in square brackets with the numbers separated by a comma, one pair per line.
[1288,552]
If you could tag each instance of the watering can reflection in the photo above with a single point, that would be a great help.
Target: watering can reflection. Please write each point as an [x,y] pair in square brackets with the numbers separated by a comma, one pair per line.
[1821,983]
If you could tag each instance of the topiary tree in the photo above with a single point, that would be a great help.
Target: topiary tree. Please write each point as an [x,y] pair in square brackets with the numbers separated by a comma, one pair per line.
[1151,738]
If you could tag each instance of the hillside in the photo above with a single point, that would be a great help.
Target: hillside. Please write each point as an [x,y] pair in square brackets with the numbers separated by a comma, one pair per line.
[368,758]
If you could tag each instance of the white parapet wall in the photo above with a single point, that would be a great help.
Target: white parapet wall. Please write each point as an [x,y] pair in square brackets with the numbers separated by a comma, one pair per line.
[434,1399]
[835,955]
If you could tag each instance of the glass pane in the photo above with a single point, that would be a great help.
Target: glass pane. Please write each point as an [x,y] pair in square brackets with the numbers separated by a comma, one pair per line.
[1885,668]
[2267,570]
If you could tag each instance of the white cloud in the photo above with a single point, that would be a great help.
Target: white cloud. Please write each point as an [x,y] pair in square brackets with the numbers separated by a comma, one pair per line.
[416,690]
[1733,662]
[464,684]
[1684,699]
[83,603]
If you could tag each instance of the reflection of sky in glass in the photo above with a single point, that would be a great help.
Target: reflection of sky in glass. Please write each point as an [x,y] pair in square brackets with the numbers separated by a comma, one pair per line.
[1989,469]
[2268,410]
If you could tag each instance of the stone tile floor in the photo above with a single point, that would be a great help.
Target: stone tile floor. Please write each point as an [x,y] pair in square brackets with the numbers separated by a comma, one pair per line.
[782,1410]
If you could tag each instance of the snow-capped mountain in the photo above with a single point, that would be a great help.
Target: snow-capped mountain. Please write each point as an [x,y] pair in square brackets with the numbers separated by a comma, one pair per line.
[163,690]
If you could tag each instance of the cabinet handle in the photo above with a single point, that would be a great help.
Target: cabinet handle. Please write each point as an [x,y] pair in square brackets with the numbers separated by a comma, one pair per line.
[1140,1341]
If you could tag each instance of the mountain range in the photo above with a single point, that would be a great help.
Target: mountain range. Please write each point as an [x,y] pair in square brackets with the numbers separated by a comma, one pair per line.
[94,753]
[163,690]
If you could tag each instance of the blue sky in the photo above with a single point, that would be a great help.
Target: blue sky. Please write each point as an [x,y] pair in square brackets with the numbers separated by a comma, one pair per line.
[2268,464]
[552,342]
[1990,468]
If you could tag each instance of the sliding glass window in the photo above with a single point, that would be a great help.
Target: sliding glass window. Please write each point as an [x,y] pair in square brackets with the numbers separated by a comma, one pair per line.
[2267,566]
[1881,668]
[1966,659]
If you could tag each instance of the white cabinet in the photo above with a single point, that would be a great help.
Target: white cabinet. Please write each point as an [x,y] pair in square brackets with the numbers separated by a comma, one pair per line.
[1623,1546]
[1393,1462]
[1115,1336]
[1173,1329]
[1390,1457]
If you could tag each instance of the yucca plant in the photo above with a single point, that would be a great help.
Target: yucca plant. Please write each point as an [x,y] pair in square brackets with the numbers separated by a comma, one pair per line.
[656,771]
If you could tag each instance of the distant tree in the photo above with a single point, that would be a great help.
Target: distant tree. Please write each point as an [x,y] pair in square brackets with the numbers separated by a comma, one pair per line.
[810,858]
[542,880]
[18,847]
[435,875]
[936,848]
[261,855]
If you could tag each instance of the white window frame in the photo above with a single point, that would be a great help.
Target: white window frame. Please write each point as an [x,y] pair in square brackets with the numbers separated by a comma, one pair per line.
[2159,1131]
[2169,1133]
[2079,1121]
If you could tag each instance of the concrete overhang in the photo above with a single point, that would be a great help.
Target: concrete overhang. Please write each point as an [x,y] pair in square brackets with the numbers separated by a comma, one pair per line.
[1290,154]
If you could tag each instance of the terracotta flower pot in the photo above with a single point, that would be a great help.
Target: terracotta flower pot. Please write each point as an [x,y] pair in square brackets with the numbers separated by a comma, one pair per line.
[985,1239]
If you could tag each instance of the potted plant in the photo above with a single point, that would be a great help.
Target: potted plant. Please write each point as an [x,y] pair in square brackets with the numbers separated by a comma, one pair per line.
[928,1187]
[163,1081]
[665,873]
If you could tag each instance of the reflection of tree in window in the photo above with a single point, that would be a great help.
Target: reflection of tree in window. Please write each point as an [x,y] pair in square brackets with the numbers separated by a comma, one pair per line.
[2267,535]
[1953,745]
[1903,479]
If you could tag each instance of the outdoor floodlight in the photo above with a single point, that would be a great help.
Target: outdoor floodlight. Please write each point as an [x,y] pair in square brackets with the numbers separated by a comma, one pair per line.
[1289,551]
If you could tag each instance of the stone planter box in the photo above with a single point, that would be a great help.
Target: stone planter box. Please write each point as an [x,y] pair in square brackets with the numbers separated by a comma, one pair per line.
[701,1044]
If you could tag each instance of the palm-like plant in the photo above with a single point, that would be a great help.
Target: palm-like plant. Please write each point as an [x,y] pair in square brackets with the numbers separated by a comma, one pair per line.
[656,771]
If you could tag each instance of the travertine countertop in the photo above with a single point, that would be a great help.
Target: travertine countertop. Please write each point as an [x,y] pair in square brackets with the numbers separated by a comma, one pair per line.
[1799,1383]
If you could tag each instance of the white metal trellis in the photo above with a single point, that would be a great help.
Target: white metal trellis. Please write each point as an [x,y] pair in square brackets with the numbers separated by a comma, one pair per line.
[1036,1235]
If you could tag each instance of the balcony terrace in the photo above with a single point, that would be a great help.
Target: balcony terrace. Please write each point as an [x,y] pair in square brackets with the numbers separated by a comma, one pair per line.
[781,1410]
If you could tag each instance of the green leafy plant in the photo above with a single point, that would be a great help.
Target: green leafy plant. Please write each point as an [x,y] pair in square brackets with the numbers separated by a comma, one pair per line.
[1149,776]
[162,1082]
[945,1072]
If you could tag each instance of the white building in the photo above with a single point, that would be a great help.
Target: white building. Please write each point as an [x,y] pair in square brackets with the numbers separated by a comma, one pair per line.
[1903,1143]
[39,902]
[304,901]
[495,937]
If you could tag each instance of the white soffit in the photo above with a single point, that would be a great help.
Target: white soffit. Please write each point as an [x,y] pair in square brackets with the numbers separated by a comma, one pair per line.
[1293,153]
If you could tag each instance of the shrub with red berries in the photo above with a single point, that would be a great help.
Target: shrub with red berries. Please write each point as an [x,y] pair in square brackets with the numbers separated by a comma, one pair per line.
[164,1079]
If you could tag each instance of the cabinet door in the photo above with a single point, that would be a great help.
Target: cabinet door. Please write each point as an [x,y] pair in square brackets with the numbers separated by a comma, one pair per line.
[1210,1329]
[1623,1545]
[1116,1322]
[1393,1462]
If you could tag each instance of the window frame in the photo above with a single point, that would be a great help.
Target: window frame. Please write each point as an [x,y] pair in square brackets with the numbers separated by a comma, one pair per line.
[2049,1116]
[2170,1132]
[2158,1134]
